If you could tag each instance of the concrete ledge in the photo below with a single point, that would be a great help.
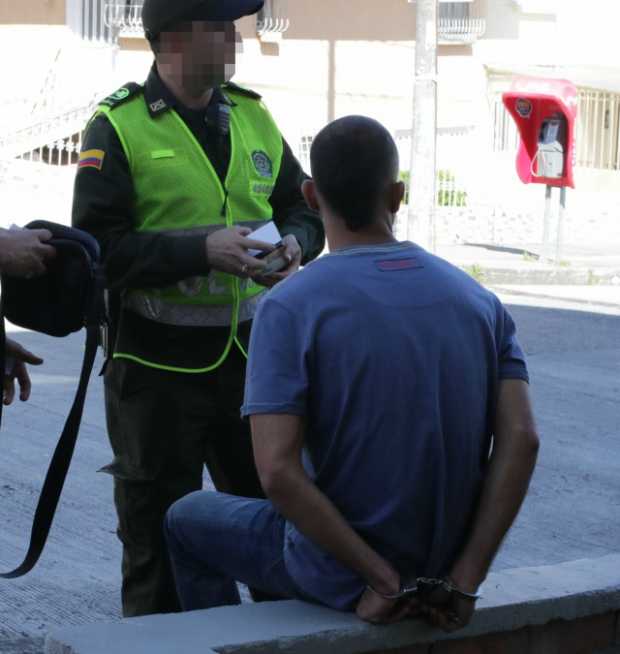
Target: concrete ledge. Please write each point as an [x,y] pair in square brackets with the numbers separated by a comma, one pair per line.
[513,600]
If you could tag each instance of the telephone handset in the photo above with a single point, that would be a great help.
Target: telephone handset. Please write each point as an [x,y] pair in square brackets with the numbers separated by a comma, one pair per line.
[551,153]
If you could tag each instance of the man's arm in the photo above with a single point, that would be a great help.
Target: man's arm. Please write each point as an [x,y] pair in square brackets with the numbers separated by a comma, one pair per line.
[103,205]
[277,386]
[291,213]
[277,440]
[515,449]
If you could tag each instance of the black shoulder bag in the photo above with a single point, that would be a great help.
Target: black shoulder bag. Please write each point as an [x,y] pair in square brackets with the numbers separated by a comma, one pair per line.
[64,300]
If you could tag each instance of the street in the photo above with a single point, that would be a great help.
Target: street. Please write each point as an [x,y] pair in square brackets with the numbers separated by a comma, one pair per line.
[572,510]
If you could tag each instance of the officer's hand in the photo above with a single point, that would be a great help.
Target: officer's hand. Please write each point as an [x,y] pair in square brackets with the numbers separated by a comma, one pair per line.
[227,251]
[24,253]
[293,254]
[16,358]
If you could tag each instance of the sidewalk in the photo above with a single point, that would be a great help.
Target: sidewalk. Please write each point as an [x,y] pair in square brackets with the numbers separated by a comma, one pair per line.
[580,266]
[607,296]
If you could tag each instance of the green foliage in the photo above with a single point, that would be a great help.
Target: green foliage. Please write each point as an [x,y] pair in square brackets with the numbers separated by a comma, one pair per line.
[476,271]
[445,197]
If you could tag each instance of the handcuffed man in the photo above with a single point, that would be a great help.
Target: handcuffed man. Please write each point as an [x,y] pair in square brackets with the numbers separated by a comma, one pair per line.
[391,423]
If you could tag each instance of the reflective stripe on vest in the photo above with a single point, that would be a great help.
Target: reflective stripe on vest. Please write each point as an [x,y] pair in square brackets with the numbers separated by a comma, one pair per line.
[188,315]
[178,192]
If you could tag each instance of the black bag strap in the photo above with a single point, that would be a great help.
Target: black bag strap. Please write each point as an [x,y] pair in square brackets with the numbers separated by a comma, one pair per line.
[59,465]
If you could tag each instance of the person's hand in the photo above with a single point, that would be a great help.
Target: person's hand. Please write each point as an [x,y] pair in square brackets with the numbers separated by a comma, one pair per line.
[24,252]
[448,611]
[378,610]
[292,254]
[16,358]
[227,251]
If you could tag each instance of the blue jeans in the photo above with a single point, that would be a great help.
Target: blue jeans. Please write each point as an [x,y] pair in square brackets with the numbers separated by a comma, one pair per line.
[216,539]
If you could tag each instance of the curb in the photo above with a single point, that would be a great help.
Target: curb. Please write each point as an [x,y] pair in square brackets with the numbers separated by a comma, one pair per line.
[541,277]
[513,599]
[545,296]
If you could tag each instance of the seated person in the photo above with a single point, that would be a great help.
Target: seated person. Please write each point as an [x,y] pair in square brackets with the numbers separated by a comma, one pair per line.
[378,379]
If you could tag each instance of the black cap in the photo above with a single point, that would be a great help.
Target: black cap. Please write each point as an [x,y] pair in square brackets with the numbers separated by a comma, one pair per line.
[158,14]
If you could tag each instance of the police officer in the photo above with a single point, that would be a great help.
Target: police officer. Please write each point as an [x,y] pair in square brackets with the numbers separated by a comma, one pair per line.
[172,178]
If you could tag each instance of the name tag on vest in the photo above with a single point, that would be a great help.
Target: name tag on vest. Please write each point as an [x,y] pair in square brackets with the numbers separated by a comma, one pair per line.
[163,154]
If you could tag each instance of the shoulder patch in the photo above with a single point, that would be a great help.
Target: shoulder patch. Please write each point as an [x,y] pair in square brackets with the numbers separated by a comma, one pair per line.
[91,159]
[230,86]
[122,95]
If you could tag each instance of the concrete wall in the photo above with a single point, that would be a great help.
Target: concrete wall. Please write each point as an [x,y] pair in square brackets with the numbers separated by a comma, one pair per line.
[32,12]
[571,608]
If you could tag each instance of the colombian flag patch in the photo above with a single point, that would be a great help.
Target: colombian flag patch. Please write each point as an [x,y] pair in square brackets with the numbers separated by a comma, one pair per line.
[91,159]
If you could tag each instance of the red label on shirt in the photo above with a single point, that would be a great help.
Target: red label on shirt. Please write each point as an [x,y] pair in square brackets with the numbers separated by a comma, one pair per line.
[398,264]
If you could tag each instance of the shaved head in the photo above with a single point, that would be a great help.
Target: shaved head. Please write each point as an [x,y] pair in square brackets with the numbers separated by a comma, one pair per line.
[354,160]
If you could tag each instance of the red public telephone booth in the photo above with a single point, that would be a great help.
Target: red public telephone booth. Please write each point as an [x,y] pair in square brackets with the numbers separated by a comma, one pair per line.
[545,111]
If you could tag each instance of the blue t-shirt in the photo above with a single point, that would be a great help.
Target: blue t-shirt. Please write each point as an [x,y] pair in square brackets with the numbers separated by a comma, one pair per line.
[393,357]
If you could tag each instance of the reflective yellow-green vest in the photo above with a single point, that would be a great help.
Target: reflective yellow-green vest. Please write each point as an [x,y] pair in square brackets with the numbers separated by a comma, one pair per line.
[178,192]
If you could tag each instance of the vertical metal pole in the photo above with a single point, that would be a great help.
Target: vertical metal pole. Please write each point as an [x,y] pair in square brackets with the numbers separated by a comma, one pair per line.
[559,246]
[546,239]
[422,175]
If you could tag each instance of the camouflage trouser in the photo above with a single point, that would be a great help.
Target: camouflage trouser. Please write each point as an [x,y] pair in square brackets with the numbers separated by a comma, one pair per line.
[163,428]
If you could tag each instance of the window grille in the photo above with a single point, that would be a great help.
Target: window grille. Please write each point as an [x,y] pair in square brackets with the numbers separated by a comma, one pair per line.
[460,22]
[305,143]
[598,130]
[86,18]
[272,18]
[124,17]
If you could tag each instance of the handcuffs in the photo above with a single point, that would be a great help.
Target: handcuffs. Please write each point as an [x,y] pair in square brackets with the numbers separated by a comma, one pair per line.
[424,586]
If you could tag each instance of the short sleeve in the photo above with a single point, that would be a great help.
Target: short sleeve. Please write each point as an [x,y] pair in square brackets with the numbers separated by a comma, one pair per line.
[277,376]
[512,363]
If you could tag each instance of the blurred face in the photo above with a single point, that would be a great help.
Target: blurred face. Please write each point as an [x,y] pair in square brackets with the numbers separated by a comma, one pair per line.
[201,54]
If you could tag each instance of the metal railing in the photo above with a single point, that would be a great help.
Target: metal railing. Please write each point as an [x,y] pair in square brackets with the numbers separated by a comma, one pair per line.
[461,30]
[48,135]
[86,19]
[271,19]
[124,16]
[598,130]
[460,22]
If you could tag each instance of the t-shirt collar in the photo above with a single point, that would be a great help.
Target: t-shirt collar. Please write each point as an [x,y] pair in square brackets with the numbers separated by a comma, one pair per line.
[375,248]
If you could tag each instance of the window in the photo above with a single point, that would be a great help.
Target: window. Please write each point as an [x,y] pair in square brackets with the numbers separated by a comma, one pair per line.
[86,18]
[454,10]
[598,130]
[305,144]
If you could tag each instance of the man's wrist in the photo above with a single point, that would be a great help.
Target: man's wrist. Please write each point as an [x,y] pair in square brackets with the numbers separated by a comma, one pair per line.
[467,579]
[385,581]
[468,593]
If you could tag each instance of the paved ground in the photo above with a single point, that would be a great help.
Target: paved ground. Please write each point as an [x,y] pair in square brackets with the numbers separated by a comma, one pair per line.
[572,510]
